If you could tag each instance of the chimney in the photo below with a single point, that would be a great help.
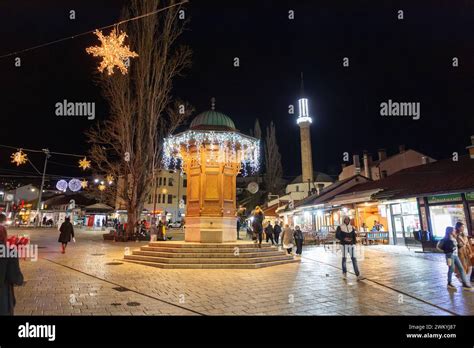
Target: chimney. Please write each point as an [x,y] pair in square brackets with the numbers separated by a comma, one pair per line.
[401,148]
[471,147]
[425,160]
[382,154]
[384,174]
[356,162]
[367,162]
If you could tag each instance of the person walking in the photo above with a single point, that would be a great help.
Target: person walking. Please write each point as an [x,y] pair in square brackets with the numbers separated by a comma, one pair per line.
[67,232]
[449,245]
[269,233]
[161,234]
[257,225]
[299,238]
[276,232]
[465,249]
[10,275]
[287,239]
[346,235]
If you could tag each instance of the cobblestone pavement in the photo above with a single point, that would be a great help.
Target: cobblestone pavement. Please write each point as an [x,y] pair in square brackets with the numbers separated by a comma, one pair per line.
[92,279]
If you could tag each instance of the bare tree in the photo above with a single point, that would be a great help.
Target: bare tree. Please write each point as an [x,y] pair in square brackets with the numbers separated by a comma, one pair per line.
[273,168]
[128,143]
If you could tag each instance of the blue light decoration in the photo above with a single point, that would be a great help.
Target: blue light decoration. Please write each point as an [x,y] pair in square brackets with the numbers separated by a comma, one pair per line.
[75,185]
[62,185]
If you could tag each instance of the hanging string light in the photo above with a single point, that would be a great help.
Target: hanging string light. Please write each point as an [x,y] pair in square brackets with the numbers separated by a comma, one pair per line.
[112,51]
[19,157]
[84,163]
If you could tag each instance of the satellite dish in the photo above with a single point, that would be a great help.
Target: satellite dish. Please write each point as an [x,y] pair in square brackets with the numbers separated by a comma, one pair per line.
[252,187]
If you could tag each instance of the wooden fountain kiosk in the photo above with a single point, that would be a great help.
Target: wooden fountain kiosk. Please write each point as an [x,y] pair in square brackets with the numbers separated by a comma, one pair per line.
[212,153]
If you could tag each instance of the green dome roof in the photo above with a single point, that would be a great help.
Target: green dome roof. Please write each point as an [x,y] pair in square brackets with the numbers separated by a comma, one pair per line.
[212,120]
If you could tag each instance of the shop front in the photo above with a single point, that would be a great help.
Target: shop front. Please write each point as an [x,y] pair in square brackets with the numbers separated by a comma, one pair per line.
[403,218]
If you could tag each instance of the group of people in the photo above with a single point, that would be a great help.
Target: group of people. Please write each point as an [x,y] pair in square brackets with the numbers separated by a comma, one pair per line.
[457,248]
[285,237]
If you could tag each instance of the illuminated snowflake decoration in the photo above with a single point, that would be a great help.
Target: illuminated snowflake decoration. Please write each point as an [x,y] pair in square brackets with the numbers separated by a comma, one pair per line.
[84,163]
[113,52]
[75,185]
[19,157]
[62,185]
[225,146]
[84,184]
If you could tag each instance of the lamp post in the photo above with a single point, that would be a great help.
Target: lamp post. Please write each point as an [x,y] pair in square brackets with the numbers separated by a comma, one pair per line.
[40,194]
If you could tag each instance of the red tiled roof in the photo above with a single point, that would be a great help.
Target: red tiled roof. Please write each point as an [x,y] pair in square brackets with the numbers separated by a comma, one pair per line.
[271,211]
[444,176]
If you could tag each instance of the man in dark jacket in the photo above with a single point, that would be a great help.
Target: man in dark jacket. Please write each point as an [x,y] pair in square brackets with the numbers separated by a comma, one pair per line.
[299,238]
[269,233]
[67,232]
[346,235]
[276,232]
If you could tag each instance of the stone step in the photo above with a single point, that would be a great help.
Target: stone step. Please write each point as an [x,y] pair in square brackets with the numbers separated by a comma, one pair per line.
[214,266]
[228,254]
[211,260]
[186,245]
[208,250]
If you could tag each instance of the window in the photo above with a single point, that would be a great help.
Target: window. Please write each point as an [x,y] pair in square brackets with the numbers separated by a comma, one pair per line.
[150,198]
[164,181]
[184,199]
[170,199]
[185,182]
[443,216]
[159,198]
[297,189]
[160,181]
[170,181]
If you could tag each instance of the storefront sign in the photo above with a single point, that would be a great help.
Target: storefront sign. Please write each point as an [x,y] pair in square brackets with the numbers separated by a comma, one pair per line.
[470,196]
[444,198]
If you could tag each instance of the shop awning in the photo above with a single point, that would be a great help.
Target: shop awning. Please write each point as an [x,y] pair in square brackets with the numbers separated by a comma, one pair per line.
[353,197]
[99,208]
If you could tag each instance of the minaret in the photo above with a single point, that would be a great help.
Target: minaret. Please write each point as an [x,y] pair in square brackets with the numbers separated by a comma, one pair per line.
[304,121]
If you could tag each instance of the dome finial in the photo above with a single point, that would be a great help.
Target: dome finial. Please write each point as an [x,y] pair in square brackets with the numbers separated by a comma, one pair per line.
[213,103]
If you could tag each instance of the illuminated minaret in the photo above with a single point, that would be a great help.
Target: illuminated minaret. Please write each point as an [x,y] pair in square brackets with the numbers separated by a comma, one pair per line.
[304,121]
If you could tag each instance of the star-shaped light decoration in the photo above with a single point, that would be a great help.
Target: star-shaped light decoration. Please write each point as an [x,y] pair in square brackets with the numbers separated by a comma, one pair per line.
[19,157]
[109,179]
[113,52]
[84,183]
[84,163]
[102,187]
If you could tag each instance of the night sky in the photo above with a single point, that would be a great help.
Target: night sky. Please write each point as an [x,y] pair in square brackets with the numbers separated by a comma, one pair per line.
[406,60]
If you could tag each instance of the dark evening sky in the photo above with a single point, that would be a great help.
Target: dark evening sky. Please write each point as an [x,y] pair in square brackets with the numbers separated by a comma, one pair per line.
[406,60]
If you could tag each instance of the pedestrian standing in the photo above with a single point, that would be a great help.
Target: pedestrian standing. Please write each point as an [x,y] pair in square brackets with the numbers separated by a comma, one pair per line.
[465,249]
[288,239]
[257,225]
[346,235]
[449,245]
[299,238]
[10,275]
[3,229]
[67,233]
[276,232]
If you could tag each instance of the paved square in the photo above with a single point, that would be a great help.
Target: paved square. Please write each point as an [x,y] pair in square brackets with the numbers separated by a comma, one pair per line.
[92,279]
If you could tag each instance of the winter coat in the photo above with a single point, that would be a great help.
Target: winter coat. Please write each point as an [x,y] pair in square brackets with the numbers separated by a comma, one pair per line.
[277,229]
[465,251]
[257,222]
[67,232]
[10,275]
[269,230]
[299,235]
[345,234]
[287,236]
